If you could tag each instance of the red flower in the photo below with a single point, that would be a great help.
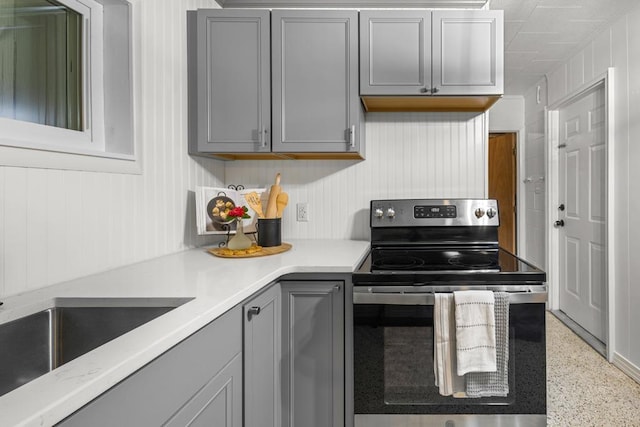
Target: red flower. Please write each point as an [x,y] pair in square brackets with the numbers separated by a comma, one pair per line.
[239,212]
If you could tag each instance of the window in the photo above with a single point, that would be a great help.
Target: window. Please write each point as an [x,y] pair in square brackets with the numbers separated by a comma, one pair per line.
[66,76]
[41,48]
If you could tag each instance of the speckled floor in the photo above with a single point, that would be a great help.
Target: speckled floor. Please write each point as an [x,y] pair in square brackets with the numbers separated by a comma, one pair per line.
[583,389]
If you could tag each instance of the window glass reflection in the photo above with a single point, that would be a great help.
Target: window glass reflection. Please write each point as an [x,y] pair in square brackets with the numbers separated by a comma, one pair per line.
[41,63]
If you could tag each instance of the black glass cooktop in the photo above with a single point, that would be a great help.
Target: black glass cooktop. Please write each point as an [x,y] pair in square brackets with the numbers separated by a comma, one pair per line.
[425,264]
[434,259]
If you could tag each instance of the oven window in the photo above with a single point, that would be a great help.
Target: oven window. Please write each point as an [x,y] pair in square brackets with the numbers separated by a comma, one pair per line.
[408,364]
[394,369]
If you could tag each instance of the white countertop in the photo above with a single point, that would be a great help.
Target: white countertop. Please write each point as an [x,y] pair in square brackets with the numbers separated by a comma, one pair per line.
[215,284]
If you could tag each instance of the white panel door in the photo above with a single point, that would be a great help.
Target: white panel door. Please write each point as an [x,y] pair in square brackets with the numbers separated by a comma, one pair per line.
[581,222]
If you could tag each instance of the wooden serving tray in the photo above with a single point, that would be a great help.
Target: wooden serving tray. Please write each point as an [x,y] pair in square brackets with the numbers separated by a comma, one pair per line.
[251,252]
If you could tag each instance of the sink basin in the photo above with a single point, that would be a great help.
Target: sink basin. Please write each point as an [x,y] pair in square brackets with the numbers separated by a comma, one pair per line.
[38,343]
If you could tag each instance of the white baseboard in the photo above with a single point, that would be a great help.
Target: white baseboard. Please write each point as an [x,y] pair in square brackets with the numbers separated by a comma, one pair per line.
[627,367]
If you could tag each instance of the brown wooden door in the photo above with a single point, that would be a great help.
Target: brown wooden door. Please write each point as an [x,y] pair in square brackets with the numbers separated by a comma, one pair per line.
[502,185]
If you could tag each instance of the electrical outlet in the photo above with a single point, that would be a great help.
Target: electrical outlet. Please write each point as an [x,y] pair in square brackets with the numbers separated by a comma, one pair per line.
[302,212]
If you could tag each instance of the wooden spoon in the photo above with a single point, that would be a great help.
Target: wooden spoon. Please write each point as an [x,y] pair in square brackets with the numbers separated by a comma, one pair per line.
[253,199]
[272,208]
[281,203]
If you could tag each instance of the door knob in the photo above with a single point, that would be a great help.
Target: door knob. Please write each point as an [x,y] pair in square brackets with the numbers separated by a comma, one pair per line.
[559,223]
[561,207]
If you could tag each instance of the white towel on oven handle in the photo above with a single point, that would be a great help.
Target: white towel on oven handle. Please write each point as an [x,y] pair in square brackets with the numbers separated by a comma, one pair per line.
[444,349]
[475,331]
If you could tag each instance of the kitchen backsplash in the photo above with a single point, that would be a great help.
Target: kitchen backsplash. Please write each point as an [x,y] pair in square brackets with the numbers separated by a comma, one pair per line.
[407,155]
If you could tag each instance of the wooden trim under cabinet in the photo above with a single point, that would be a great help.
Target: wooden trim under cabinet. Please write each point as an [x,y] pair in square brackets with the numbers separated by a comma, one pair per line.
[286,156]
[429,103]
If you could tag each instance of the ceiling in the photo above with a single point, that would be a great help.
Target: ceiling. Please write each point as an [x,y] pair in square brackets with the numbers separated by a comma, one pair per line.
[539,35]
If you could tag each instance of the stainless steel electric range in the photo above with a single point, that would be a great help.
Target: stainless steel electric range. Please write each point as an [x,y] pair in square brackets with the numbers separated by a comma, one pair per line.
[420,247]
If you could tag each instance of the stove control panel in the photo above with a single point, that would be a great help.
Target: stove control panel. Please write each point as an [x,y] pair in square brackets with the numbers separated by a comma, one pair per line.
[434,212]
[443,211]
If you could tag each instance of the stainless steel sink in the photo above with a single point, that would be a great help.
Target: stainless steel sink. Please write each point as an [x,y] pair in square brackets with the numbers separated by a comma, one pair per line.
[38,343]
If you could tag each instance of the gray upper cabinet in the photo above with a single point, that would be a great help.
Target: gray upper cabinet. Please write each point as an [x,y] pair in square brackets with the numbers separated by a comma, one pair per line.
[416,60]
[395,52]
[315,81]
[295,71]
[262,349]
[313,382]
[467,52]
[232,82]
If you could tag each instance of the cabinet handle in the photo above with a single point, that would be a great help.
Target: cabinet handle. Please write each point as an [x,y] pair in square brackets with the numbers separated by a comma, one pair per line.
[263,138]
[435,90]
[352,136]
[336,288]
[253,311]
[426,90]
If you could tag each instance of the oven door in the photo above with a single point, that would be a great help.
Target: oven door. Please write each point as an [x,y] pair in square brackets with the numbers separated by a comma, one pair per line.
[394,381]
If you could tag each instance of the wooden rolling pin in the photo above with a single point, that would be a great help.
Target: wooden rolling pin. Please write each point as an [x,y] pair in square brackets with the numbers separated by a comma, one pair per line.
[272,205]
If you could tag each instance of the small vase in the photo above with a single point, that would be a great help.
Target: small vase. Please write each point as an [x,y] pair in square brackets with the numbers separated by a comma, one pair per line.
[239,240]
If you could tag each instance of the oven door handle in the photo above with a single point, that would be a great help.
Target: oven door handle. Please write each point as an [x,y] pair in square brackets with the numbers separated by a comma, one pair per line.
[418,298]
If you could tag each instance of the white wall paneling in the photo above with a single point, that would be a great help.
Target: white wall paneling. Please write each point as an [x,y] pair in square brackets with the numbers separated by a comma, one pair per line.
[507,115]
[632,187]
[408,155]
[56,225]
[618,47]
[535,174]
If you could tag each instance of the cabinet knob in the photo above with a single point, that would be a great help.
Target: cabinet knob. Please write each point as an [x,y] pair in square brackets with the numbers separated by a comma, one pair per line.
[253,311]
[435,90]
[336,288]
[425,90]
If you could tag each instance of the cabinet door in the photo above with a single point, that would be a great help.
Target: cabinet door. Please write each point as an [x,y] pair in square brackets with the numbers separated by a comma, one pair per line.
[313,353]
[395,52]
[468,52]
[219,403]
[233,81]
[197,382]
[315,81]
[262,359]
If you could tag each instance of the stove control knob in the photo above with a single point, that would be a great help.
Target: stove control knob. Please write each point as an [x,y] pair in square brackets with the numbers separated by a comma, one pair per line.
[491,212]
[378,213]
[391,213]
[479,213]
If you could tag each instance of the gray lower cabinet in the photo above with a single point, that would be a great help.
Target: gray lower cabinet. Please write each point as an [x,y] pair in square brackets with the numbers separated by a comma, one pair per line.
[262,359]
[276,360]
[313,354]
[196,383]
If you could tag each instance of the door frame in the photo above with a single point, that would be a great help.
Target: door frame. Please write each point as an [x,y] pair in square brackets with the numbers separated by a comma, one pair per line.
[552,129]
[519,186]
